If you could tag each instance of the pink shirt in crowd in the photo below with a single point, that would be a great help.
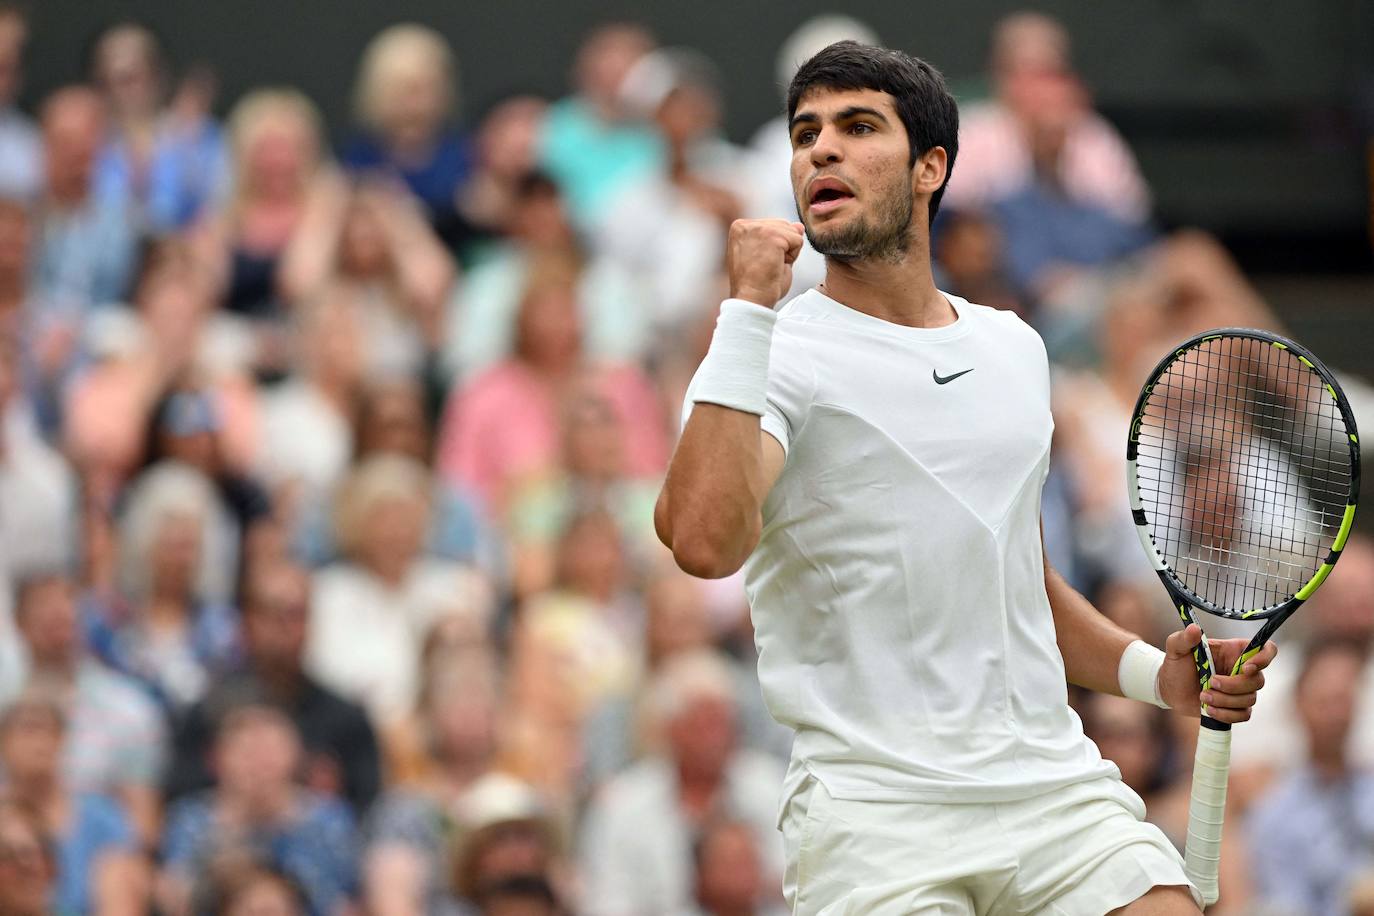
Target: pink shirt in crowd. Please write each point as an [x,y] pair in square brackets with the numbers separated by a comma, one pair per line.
[994,162]
[507,425]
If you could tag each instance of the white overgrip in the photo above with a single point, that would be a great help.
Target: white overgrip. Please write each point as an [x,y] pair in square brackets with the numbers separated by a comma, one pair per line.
[1207,810]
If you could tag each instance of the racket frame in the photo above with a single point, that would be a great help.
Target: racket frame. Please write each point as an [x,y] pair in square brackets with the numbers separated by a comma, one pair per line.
[1212,762]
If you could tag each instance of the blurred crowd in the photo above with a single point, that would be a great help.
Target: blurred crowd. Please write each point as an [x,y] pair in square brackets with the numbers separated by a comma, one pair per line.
[327,474]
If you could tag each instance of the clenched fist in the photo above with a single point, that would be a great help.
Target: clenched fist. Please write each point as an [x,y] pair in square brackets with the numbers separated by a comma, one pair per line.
[759,258]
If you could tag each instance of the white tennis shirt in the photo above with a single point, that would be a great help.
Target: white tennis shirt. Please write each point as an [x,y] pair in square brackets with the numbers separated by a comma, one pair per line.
[897,591]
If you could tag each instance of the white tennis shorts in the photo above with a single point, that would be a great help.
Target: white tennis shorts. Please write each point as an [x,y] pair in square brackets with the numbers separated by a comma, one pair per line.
[1078,851]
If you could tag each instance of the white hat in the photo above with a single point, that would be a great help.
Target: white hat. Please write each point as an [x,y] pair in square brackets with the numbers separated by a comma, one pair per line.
[813,36]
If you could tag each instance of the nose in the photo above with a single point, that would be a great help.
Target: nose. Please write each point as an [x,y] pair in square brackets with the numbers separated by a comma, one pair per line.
[827,149]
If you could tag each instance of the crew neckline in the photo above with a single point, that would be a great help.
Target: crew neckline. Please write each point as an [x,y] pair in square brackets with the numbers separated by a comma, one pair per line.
[862,320]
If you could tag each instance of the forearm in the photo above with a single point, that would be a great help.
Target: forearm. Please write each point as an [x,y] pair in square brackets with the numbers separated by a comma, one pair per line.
[709,513]
[1090,644]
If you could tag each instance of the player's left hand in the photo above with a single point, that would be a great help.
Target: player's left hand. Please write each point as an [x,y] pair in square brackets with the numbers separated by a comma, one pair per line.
[1228,697]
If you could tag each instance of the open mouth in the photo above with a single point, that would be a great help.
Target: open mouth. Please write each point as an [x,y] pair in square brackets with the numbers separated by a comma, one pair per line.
[828,193]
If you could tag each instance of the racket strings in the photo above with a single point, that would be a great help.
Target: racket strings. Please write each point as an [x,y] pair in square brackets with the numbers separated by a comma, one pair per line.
[1244,471]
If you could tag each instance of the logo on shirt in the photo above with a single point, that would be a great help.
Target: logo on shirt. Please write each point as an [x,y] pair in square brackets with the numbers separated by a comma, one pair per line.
[946,379]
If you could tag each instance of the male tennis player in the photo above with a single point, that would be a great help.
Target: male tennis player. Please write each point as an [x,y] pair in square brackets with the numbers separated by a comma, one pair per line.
[873,456]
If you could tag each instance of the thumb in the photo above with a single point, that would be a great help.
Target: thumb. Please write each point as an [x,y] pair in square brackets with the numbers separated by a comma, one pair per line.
[1182,642]
[801,229]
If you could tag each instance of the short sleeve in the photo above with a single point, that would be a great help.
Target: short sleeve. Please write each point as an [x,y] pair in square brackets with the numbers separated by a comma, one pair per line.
[791,388]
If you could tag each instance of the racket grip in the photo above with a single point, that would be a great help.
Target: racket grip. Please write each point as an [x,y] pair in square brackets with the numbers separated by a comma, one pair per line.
[1206,810]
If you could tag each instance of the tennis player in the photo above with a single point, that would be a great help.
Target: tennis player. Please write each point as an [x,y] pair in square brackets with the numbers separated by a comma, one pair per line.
[873,457]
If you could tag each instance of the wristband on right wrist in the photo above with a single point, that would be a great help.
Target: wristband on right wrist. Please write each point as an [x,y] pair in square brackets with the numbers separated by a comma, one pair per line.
[734,373]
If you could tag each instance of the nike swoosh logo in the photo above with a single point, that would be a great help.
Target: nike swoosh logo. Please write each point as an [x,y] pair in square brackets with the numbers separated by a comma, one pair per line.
[945,380]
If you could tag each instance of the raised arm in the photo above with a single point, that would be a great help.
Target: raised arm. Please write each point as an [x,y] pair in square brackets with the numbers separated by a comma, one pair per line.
[710,510]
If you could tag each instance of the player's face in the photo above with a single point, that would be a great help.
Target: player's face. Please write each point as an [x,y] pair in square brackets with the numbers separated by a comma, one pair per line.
[851,174]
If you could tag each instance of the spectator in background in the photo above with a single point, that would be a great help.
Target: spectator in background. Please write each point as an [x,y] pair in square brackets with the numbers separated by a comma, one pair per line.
[167,159]
[507,838]
[507,149]
[28,867]
[166,630]
[117,741]
[769,188]
[591,145]
[387,587]
[1313,833]
[37,488]
[257,817]
[522,895]
[592,475]
[971,262]
[369,245]
[16,243]
[99,868]
[572,647]
[667,228]
[48,351]
[503,426]
[1035,91]
[84,256]
[133,356]
[307,420]
[1183,285]
[730,873]
[483,314]
[405,100]
[276,148]
[340,754]
[638,830]
[448,749]
[676,624]
[195,426]
[391,419]
[21,156]
[1051,237]
[263,892]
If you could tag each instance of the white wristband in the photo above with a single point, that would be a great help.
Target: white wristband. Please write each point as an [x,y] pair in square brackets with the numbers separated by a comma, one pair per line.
[1138,673]
[734,373]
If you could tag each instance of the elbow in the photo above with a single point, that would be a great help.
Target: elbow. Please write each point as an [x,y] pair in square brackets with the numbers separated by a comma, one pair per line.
[698,558]
[700,554]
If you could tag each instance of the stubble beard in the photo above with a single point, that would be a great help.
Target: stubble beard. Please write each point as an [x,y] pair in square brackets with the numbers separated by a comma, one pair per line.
[885,237]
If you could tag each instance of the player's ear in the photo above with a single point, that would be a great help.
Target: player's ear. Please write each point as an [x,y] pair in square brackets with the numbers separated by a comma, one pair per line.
[929,171]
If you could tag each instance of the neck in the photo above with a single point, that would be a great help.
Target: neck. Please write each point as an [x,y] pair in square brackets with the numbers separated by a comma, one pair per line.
[39,791]
[282,681]
[56,667]
[266,806]
[902,292]
[461,772]
[166,607]
[1330,765]
[12,287]
[68,195]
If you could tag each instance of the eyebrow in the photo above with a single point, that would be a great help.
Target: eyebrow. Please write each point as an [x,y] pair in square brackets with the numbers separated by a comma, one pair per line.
[844,114]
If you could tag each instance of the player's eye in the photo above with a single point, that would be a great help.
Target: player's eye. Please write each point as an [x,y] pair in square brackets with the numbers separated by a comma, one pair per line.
[860,127]
[804,137]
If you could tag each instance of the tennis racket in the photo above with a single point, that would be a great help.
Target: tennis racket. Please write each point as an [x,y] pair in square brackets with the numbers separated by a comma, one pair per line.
[1243,469]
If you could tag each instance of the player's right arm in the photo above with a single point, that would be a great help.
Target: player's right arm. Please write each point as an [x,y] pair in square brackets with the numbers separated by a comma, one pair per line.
[709,512]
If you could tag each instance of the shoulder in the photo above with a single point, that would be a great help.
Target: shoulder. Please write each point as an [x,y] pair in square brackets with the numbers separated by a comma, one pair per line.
[636,787]
[1002,322]
[322,815]
[99,816]
[112,690]
[362,151]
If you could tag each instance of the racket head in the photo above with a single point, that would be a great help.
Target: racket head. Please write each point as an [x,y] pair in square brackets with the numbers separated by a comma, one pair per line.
[1243,472]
